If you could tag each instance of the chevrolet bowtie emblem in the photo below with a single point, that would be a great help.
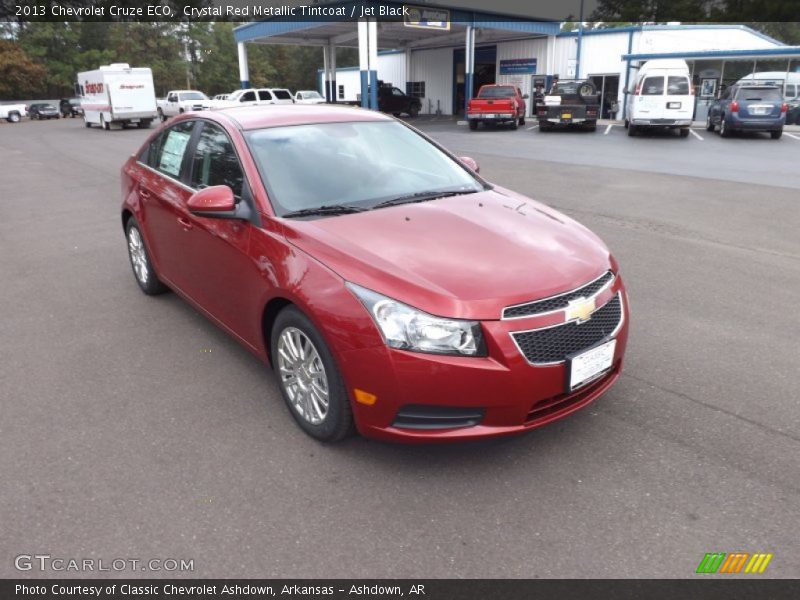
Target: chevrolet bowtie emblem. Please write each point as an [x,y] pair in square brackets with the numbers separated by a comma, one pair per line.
[579,310]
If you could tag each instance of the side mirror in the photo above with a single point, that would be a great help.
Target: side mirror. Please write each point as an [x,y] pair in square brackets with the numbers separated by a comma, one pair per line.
[216,202]
[524,96]
[471,163]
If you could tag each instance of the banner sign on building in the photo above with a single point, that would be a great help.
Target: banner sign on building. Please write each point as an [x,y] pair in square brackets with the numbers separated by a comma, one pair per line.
[424,17]
[517,66]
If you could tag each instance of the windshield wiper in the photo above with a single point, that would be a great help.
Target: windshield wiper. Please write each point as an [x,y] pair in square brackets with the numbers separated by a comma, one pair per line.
[330,209]
[422,197]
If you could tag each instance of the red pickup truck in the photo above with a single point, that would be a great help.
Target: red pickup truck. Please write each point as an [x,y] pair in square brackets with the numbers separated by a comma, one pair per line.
[497,104]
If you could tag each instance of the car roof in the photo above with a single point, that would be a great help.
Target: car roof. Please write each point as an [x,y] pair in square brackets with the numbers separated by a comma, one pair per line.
[259,117]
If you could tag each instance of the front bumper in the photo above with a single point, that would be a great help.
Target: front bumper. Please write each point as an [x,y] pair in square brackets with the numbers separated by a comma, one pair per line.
[509,394]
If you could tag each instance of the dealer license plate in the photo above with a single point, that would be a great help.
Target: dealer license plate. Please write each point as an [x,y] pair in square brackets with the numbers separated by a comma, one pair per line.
[566,115]
[588,365]
[760,110]
[673,104]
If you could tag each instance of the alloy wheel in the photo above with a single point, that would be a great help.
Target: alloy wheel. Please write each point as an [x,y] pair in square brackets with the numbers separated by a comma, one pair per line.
[302,375]
[138,256]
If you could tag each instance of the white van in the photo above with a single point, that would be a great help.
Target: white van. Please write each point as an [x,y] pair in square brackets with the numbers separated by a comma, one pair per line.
[661,97]
[117,95]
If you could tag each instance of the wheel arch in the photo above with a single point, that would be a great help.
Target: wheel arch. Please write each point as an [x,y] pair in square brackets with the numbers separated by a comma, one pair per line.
[271,310]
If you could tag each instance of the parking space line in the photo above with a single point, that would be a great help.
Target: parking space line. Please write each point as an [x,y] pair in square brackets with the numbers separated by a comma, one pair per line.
[535,126]
[695,134]
[610,125]
[791,135]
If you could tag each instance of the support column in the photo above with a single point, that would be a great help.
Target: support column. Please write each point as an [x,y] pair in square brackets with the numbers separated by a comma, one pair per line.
[332,67]
[363,61]
[326,74]
[372,26]
[244,72]
[469,66]
[409,77]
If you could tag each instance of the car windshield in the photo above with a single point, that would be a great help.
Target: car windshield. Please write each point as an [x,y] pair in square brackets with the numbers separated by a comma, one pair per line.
[193,96]
[47,107]
[311,95]
[282,94]
[354,164]
[758,94]
[496,92]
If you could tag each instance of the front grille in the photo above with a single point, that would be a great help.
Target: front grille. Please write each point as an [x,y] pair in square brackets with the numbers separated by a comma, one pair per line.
[554,344]
[420,416]
[558,302]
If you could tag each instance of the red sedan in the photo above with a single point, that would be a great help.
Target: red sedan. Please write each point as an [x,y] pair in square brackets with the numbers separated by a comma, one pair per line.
[388,285]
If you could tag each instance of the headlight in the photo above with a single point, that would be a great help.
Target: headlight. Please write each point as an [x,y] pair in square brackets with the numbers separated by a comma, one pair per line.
[407,328]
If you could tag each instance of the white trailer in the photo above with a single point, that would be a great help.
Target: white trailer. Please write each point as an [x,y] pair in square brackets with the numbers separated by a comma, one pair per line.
[117,95]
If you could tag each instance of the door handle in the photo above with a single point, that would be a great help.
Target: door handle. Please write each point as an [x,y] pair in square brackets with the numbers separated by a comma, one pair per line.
[145,193]
[185,223]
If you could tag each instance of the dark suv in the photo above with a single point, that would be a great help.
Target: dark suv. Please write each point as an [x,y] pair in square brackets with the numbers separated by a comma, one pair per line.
[395,101]
[70,107]
[748,108]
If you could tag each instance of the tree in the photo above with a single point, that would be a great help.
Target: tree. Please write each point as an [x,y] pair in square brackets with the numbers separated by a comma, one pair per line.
[20,76]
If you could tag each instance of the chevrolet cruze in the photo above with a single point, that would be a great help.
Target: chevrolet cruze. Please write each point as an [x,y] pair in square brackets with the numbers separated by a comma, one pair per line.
[388,285]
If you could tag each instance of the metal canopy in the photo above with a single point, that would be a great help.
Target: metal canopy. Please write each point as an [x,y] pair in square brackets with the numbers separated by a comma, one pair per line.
[491,27]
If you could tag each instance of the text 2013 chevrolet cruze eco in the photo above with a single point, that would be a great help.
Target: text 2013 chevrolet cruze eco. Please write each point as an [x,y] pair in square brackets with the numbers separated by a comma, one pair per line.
[387,284]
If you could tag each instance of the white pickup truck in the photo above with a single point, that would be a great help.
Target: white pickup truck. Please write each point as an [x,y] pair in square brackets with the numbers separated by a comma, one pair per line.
[13,112]
[181,101]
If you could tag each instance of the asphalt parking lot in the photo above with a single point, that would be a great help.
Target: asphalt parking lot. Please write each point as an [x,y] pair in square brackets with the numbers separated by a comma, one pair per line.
[132,427]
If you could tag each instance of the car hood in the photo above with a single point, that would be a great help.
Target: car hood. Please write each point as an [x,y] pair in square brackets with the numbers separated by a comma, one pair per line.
[461,257]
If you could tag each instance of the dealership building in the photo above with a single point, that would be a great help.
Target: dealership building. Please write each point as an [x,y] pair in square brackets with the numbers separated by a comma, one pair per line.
[443,55]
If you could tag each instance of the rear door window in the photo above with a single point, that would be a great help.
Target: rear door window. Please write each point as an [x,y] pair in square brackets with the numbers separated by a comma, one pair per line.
[248,97]
[264,95]
[283,95]
[677,86]
[173,148]
[653,86]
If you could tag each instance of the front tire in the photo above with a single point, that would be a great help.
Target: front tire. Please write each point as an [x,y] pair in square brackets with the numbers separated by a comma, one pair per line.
[143,270]
[413,111]
[13,117]
[308,377]
[161,116]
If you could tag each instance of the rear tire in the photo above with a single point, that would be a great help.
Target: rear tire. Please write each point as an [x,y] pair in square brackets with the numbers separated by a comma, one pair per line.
[413,111]
[145,124]
[684,132]
[521,121]
[103,124]
[13,117]
[514,125]
[473,125]
[292,328]
[632,130]
[776,135]
[161,116]
[143,270]
[724,130]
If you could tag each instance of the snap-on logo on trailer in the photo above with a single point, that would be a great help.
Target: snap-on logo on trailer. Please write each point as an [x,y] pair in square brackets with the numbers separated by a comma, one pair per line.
[93,88]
